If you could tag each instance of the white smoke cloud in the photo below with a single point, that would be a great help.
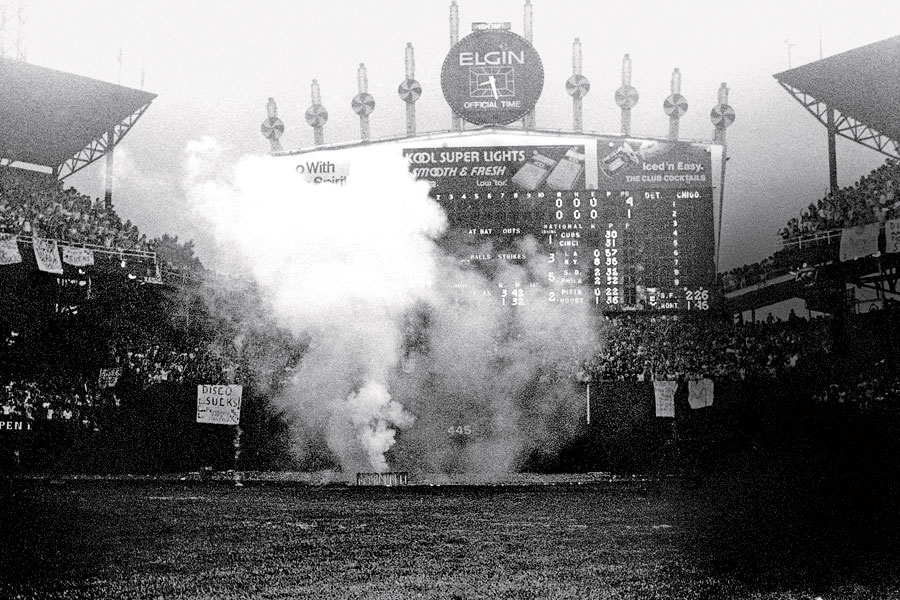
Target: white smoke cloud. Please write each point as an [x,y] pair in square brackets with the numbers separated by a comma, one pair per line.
[340,265]
[371,415]
[508,374]
[403,344]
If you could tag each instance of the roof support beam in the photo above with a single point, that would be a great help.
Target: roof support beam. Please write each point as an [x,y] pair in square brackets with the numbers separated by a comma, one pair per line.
[101,145]
[845,126]
[832,152]
[110,161]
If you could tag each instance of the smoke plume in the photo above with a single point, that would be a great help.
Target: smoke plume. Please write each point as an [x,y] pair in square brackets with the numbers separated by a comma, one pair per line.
[412,360]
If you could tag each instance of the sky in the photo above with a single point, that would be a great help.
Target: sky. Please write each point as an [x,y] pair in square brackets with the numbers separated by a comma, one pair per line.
[214,64]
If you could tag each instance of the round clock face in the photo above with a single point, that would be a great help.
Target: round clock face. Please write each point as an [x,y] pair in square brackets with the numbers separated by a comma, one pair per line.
[492,77]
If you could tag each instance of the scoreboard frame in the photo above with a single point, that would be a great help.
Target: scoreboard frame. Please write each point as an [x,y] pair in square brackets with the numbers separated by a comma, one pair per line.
[643,208]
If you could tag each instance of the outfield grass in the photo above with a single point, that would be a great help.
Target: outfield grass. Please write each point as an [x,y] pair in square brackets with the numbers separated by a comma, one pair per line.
[212,540]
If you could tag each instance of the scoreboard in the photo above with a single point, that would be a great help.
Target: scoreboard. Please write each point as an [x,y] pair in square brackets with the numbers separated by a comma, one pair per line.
[620,224]
[617,249]
[634,234]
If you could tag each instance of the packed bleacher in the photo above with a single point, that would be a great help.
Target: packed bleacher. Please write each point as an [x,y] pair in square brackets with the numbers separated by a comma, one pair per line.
[866,376]
[42,207]
[142,357]
[872,199]
[36,205]
[639,348]
[49,398]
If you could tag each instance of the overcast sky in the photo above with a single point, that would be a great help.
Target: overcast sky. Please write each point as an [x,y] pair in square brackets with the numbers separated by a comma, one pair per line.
[215,63]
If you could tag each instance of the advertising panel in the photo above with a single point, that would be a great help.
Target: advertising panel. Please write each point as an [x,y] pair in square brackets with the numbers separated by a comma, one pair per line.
[506,168]
[647,163]
[323,170]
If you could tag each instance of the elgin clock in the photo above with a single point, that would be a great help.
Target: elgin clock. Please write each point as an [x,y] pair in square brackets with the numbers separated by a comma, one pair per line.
[492,77]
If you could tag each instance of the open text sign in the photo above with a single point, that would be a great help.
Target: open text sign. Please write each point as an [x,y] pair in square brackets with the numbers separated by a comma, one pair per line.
[219,404]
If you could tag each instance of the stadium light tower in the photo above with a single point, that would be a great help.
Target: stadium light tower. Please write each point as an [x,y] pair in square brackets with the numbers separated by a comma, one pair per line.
[577,85]
[456,122]
[12,29]
[675,105]
[528,122]
[410,90]
[316,114]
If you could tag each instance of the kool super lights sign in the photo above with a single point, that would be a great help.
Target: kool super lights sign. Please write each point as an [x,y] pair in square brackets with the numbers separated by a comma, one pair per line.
[499,168]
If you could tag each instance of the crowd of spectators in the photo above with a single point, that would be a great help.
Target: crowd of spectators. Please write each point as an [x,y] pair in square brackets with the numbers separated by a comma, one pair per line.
[157,363]
[875,381]
[876,386]
[639,348]
[874,198]
[76,398]
[51,397]
[38,205]
[747,275]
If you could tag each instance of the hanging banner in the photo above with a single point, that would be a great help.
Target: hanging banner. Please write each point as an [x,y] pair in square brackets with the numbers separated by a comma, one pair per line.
[9,250]
[155,278]
[77,257]
[109,377]
[664,391]
[859,242]
[46,252]
[700,393]
[892,236]
[15,424]
[219,404]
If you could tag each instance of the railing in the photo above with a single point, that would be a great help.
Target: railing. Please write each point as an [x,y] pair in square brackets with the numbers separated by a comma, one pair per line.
[129,253]
[805,241]
[815,239]
[755,279]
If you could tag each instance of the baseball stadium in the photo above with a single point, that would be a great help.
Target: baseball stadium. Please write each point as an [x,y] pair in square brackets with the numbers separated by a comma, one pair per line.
[486,361]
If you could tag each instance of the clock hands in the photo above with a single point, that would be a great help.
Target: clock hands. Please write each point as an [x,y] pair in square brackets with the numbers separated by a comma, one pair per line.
[493,83]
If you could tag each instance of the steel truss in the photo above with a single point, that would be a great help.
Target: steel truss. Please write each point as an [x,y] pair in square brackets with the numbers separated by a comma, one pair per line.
[101,145]
[884,282]
[846,126]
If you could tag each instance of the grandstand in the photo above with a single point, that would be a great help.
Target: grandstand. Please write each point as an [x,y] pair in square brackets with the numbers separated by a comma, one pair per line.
[53,125]
[93,357]
[852,94]
[71,267]
[780,323]
[706,435]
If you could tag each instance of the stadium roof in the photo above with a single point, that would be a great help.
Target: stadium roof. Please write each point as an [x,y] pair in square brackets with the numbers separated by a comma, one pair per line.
[863,85]
[60,120]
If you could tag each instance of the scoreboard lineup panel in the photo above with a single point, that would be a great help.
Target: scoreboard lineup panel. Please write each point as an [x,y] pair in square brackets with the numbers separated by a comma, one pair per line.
[617,249]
